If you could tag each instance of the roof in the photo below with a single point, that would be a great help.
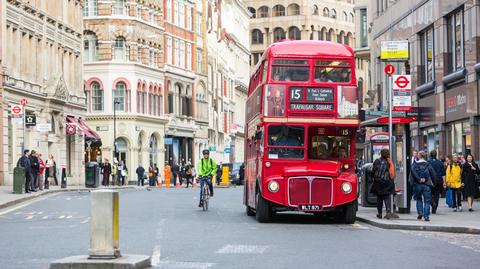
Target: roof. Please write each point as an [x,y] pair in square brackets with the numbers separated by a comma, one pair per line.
[309,48]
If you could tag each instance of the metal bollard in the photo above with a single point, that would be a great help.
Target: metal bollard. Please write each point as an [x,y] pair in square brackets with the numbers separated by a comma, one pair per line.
[104,230]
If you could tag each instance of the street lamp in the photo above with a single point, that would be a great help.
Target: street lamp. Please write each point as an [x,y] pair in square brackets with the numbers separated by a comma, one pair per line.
[115,129]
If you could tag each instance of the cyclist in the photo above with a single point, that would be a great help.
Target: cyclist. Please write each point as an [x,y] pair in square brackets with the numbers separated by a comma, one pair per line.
[206,168]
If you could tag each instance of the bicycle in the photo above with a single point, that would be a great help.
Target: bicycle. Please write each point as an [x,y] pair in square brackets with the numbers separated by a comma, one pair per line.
[205,193]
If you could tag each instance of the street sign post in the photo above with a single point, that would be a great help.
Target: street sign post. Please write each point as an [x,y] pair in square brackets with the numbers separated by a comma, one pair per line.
[389,70]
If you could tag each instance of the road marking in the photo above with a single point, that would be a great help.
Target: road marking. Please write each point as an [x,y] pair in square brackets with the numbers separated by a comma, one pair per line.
[29,202]
[85,221]
[29,217]
[61,217]
[157,249]
[40,213]
[45,217]
[69,217]
[52,227]
[185,265]
[242,249]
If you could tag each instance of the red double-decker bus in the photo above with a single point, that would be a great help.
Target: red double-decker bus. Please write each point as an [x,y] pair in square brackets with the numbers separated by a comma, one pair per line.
[302,116]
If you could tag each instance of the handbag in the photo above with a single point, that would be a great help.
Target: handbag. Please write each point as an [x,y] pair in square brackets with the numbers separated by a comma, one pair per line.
[477,178]
[449,197]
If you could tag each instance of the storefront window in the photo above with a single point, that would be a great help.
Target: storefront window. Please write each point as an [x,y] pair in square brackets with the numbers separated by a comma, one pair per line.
[461,138]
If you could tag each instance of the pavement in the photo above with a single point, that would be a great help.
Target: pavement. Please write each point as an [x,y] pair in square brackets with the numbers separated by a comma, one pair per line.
[446,220]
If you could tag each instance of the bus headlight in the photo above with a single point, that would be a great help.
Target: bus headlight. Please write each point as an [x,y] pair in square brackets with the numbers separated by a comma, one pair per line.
[346,187]
[267,164]
[273,186]
[346,166]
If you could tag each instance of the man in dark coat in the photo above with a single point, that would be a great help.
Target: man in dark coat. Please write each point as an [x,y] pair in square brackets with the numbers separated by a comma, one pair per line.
[140,172]
[219,173]
[35,165]
[24,162]
[241,174]
[383,183]
[439,179]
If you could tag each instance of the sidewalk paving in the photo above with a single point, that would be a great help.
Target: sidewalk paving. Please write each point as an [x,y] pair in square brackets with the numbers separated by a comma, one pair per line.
[444,221]
[8,198]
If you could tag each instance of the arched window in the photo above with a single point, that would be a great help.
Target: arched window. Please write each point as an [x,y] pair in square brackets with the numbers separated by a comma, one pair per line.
[293,9]
[119,49]
[315,10]
[119,7]
[90,8]
[294,33]
[278,34]
[119,96]
[334,14]
[152,149]
[330,35]
[90,47]
[340,37]
[345,16]
[348,39]
[170,98]
[326,12]
[263,12]
[140,147]
[253,11]
[360,92]
[121,149]
[322,33]
[278,10]
[352,17]
[257,36]
[97,97]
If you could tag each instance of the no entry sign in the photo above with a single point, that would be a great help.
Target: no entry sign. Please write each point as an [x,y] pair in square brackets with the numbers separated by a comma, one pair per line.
[402,92]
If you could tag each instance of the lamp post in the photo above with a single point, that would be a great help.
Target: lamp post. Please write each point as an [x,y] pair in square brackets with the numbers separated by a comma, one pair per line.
[115,129]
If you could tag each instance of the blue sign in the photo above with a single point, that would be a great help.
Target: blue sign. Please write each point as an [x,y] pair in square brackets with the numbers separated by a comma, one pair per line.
[168,140]
[227,150]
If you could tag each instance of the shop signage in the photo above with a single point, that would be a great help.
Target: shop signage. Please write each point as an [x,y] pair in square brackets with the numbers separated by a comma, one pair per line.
[460,103]
[227,150]
[44,127]
[394,50]
[30,120]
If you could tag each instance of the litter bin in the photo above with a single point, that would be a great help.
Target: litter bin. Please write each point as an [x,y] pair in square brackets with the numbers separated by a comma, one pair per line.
[18,180]
[92,175]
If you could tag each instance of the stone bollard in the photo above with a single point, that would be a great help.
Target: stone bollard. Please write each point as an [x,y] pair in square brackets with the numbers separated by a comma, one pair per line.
[104,243]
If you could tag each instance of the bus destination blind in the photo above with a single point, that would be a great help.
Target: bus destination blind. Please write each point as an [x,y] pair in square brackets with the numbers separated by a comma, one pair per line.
[316,99]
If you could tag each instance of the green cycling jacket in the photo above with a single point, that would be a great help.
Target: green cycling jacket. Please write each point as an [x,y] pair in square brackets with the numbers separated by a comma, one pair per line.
[207,167]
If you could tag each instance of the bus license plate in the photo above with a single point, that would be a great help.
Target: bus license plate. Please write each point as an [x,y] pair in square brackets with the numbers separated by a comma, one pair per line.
[310,207]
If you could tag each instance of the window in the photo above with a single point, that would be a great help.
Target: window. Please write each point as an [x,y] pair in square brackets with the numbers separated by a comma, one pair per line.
[322,33]
[189,56]
[176,48]
[169,49]
[152,58]
[119,96]
[139,12]
[263,11]
[278,34]
[152,17]
[340,37]
[455,40]
[151,104]
[168,10]
[278,11]
[363,28]
[198,23]
[328,146]
[170,103]
[345,16]
[330,35]
[181,12]
[97,97]
[294,33]
[90,8]
[426,69]
[139,54]
[290,70]
[257,37]
[315,10]
[253,11]
[119,49]
[334,14]
[256,57]
[332,71]
[182,54]
[90,52]
[175,13]
[286,142]
[198,63]
[293,10]
[326,12]
[189,19]
[119,7]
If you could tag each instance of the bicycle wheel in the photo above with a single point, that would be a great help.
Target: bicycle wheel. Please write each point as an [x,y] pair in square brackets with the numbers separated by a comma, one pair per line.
[207,195]
[204,199]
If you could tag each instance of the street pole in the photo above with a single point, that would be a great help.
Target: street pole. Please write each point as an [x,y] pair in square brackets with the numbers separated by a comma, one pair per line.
[114,131]
[23,120]
[390,130]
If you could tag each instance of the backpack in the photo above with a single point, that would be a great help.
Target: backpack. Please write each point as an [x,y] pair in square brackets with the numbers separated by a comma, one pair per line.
[381,170]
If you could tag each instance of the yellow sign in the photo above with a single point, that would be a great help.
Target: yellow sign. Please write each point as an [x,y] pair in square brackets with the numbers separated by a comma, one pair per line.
[394,50]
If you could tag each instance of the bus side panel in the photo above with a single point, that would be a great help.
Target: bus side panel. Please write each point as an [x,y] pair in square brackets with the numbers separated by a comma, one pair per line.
[250,173]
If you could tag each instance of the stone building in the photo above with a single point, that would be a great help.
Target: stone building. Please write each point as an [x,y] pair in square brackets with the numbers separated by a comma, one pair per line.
[331,20]
[124,80]
[2,38]
[228,76]
[42,62]
[444,62]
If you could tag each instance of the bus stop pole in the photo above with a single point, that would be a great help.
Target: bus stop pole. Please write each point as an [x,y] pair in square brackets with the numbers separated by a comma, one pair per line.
[390,129]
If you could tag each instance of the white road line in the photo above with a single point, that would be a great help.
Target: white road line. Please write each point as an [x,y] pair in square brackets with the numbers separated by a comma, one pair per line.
[52,227]
[185,265]
[40,213]
[45,217]
[61,217]
[85,221]
[69,217]
[157,249]
[27,203]
[29,217]
[242,249]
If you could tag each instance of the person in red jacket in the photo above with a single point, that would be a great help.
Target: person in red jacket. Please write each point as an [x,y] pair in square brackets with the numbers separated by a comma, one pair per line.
[40,171]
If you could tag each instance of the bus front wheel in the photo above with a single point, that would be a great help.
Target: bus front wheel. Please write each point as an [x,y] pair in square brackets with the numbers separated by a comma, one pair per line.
[263,212]
[350,213]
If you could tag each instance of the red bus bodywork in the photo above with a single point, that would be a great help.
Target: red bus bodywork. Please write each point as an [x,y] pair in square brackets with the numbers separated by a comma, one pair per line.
[305,91]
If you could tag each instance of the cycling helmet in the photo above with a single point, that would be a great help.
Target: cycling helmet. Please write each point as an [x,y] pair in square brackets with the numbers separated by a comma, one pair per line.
[206,151]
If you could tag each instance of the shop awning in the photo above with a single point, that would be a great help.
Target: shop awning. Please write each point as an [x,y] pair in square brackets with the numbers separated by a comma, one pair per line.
[83,128]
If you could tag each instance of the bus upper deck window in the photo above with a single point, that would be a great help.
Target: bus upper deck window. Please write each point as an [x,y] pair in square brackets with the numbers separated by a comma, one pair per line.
[290,70]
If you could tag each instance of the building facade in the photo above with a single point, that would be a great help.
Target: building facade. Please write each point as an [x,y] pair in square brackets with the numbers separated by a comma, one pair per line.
[228,75]
[2,44]
[363,18]
[42,62]
[124,80]
[271,21]
[444,58]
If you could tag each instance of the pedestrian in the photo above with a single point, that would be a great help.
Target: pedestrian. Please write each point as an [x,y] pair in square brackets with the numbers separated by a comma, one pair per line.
[35,167]
[188,174]
[150,175]
[175,171]
[422,176]
[453,180]
[414,157]
[241,174]
[41,170]
[470,172]
[383,183]
[439,181]
[114,172]
[461,158]
[123,172]
[219,173]
[24,162]
[156,172]
[50,171]
[140,172]
[106,171]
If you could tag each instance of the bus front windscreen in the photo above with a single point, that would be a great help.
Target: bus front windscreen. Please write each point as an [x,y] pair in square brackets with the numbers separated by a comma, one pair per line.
[328,147]
[285,142]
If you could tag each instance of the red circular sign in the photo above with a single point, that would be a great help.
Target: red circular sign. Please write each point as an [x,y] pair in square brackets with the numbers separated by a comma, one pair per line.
[389,69]
[16,110]
[24,102]
[402,82]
